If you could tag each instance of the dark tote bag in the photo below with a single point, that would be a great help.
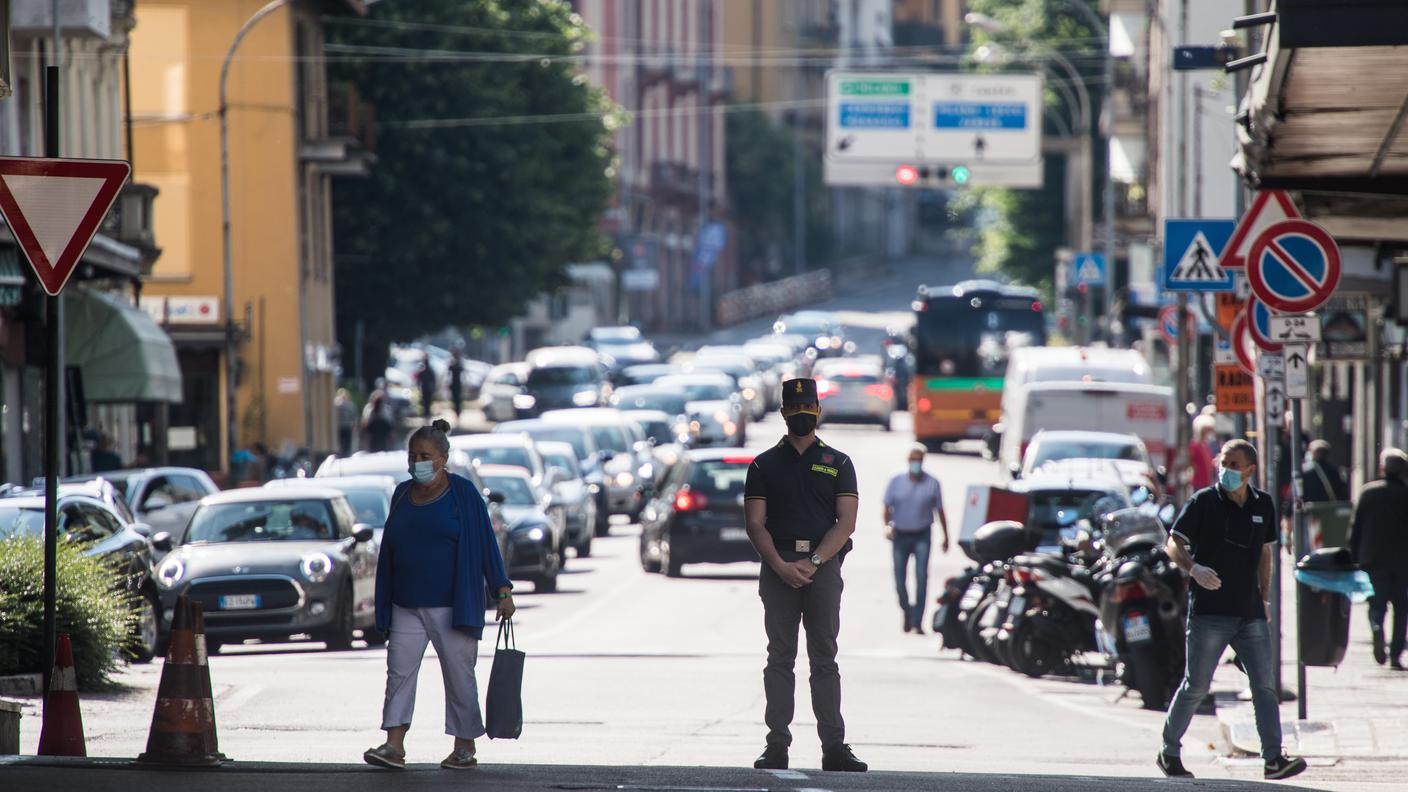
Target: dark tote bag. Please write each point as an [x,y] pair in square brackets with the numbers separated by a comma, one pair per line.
[503,715]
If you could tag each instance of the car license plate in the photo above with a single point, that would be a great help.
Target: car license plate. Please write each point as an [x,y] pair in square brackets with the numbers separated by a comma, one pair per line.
[1017,606]
[239,602]
[1136,628]
[733,534]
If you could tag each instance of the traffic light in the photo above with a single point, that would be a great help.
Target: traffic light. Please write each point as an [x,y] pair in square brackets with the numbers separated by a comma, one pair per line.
[932,176]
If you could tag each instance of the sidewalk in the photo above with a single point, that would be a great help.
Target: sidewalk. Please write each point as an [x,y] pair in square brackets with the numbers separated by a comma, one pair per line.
[1357,728]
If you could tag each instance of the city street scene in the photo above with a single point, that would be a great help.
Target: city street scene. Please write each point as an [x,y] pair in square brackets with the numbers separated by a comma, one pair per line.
[703,395]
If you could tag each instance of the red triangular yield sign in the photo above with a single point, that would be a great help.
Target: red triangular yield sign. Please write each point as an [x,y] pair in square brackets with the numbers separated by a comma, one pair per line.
[1257,219]
[54,207]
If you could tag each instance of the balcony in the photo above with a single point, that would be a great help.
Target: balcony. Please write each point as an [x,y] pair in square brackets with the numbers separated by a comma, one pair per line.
[351,116]
[130,221]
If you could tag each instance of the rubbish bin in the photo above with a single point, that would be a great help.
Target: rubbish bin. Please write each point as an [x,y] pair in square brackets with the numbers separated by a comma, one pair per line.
[1327,579]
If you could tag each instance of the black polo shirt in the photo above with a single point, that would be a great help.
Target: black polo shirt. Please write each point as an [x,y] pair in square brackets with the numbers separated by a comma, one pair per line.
[1228,539]
[801,491]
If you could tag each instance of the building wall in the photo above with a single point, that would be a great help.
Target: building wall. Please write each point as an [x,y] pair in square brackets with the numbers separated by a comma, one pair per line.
[278,208]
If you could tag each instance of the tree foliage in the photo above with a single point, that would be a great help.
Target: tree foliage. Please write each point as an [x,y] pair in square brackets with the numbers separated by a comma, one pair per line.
[1020,230]
[761,183]
[493,164]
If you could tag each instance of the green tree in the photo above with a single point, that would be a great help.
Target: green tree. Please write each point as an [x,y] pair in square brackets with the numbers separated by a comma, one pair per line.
[1018,231]
[493,164]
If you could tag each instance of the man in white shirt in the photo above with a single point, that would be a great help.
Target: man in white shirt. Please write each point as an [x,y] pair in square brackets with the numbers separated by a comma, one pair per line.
[912,499]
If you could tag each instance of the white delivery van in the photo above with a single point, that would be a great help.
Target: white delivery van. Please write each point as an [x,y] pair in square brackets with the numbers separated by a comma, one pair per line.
[1065,364]
[1132,408]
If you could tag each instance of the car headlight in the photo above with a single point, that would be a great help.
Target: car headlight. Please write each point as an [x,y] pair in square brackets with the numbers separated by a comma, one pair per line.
[524,401]
[694,426]
[721,416]
[594,488]
[315,567]
[584,398]
[646,472]
[823,342]
[625,479]
[749,393]
[536,534]
[680,429]
[170,573]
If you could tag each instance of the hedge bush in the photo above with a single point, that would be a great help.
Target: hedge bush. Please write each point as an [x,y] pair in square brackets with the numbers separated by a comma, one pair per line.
[91,608]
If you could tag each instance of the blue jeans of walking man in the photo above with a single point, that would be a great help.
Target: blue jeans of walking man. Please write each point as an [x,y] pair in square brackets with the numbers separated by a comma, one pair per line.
[916,544]
[1208,638]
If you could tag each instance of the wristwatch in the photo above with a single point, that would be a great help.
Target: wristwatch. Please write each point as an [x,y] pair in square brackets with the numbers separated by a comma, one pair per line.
[816,559]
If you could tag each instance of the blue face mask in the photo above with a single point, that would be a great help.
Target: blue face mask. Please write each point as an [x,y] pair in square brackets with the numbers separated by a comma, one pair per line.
[423,472]
[915,468]
[1231,480]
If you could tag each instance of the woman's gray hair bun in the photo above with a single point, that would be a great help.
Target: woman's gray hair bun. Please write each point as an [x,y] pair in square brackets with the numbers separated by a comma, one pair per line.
[441,425]
[438,433]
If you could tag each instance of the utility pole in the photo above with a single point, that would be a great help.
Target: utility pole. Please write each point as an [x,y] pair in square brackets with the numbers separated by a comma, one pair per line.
[703,92]
[53,379]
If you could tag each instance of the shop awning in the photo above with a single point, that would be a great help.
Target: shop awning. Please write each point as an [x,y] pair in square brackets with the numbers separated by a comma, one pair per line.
[124,356]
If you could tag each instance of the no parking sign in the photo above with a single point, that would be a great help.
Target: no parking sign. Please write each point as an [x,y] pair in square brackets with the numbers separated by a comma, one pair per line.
[1293,266]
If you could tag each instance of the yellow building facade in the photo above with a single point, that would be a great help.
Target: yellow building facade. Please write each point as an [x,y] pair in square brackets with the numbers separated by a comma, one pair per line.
[282,158]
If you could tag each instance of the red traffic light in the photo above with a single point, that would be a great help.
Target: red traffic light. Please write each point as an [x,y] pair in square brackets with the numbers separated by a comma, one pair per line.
[906,175]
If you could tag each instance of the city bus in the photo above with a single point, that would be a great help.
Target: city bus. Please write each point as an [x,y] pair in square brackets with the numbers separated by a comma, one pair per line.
[963,335]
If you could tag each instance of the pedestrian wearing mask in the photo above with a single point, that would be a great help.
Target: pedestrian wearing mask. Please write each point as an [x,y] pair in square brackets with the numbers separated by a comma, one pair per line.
[800,502]
[438,552]
[912,499]
[1225,540]
[1378,539]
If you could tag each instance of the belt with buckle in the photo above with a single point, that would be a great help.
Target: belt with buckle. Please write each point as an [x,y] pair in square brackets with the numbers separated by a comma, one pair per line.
[802,546]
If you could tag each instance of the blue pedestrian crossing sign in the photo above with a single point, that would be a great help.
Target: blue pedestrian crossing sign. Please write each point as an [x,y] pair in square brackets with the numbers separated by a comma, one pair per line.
[1088,269]
[1191,252]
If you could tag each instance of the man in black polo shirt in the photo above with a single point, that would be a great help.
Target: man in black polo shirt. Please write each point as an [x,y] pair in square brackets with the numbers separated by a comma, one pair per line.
[800,506]
[1226,541]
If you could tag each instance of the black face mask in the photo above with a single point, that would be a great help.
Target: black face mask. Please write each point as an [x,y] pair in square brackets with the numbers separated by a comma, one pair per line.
[801,424]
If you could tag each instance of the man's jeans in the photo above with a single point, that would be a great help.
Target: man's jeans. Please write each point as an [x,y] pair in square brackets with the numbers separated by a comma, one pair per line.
[1208,638]
[906,544]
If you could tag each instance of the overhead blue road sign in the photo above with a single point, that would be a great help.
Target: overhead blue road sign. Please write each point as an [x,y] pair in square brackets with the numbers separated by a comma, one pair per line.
[1089,269]
[1191,251]
[980,115]
[875,115]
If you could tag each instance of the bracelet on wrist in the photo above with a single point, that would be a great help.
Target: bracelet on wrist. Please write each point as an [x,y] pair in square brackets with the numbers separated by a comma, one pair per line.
[503,595]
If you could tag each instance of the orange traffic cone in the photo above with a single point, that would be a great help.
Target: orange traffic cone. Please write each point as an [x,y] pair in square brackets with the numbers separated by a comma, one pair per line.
[184,718]
[62,731]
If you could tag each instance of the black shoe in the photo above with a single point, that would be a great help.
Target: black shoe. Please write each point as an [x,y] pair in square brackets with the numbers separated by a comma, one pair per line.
[1283,767]
[918,630]
[907,625]
[1172,766]
[843,760]
[1380,651]
[774,757]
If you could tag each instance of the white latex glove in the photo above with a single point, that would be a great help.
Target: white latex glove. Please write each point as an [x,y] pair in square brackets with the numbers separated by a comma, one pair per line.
[1205,577]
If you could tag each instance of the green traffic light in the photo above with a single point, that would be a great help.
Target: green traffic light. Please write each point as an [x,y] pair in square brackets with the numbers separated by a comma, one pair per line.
[960,175]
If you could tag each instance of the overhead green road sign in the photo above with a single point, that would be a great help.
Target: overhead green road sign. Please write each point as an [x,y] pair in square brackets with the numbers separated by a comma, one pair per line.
[875,87]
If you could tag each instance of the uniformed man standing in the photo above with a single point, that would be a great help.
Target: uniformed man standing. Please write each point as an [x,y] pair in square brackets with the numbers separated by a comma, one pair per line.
[800,505]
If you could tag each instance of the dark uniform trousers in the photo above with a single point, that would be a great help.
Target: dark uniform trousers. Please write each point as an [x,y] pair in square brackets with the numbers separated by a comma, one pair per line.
[817,606]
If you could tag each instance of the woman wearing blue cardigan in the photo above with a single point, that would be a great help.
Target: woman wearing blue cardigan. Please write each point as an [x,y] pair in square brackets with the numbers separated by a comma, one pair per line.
[438,552]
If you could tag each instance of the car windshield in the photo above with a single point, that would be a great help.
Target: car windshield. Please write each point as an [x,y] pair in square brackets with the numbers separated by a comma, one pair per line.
[550,376]
[516,490]
[657,430]
[263,521]
[369,505]
[664,401]
[705,391]
[1048,451]
[16,523]
[610,438]
[719,477]
[508,455]
[563,462]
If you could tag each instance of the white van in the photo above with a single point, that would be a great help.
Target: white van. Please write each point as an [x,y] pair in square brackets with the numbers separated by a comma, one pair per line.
[1073,364]
[1146,411]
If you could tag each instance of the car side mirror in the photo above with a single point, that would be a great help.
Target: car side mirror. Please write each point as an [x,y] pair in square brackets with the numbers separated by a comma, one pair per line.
[362,532]
[496,497]
[162,542]
[142,529]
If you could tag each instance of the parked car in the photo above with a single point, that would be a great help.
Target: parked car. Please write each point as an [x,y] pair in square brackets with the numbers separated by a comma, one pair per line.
[503,448]
[562,377]
[534,544]
[273,563]
[697,515]
[716,414]
[572,493]
[592,457]
[369,496]
[129,547]
[162,497]
[622,458]
[854,390]
[500,387]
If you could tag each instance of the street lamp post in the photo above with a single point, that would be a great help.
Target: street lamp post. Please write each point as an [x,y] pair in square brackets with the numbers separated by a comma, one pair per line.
[231,424]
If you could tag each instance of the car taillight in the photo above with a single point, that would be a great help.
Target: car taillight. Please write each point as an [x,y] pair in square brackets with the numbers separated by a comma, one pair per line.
[738,460]
[883,392]
[826,388]
[688,500]
[1129,591]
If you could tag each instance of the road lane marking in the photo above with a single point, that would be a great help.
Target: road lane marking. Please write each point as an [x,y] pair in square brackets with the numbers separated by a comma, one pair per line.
[788,775]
